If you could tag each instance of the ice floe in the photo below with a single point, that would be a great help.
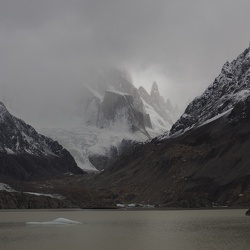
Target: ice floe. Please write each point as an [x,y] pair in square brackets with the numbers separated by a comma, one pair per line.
[58,221]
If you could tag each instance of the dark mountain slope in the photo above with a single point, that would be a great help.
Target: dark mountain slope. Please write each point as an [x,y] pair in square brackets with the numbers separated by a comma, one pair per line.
[205,166]
[25,154]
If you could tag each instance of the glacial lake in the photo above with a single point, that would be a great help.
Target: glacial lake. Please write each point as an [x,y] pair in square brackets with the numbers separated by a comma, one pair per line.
[117,230]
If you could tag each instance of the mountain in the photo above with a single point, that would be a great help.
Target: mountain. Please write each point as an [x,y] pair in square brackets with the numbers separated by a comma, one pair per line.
[204,162]
[113,101]
[27,155]
[230,87]
[115,115]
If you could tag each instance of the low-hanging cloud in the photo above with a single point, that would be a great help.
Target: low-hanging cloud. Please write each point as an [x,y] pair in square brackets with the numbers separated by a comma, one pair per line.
[49,48]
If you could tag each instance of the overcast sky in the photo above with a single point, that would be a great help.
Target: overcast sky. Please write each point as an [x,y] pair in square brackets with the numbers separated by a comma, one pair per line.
[48,46]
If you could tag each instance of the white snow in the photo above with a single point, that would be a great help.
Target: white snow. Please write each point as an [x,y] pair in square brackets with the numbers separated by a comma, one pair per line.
[112,90]
[215,117]
[57,196]
[241,95]
[47,150]
[159,126]
[6,187]
[58,221]
[9,151]
[120,205]
[89,140]
[95,93]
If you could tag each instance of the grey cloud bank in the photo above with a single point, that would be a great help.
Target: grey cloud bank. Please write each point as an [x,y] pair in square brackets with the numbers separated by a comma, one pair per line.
[48,49]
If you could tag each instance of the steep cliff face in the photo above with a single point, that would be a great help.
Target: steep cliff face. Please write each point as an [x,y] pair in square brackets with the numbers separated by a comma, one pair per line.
[230,87]
[118,109]
[25,154]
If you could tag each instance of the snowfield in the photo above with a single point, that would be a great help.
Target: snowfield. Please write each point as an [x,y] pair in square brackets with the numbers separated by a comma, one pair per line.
[89,140]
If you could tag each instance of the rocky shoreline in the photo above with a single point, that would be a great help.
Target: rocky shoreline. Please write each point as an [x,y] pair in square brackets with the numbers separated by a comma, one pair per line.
[15,200]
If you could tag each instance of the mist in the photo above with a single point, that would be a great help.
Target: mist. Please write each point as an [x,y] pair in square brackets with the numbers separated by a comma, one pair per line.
[50,49]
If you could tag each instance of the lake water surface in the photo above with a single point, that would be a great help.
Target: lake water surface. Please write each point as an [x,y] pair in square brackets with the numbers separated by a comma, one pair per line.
[118,230]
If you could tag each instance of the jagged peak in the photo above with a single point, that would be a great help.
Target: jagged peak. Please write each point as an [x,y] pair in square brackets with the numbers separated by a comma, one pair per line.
[154,89]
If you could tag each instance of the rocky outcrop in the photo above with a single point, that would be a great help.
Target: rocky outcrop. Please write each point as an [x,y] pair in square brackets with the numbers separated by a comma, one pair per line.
[25,154]
[15,200]
[118,108]
[230,87]
[241,111]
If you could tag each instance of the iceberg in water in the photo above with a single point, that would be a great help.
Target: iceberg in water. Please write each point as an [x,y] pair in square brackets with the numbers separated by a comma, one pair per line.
[58,221]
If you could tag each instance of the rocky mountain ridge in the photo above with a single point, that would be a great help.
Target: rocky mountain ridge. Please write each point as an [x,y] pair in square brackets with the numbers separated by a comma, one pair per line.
[230,87]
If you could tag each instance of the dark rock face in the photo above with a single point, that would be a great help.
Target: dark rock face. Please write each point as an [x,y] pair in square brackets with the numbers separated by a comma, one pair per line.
[230,87]
[118,108]
[241,111]
[25,154]
[103,161]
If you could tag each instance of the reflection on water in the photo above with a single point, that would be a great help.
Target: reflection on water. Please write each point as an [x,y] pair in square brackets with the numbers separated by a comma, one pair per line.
[118,230]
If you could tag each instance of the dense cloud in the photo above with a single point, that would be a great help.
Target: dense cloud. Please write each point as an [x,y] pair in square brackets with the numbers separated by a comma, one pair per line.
[48,48]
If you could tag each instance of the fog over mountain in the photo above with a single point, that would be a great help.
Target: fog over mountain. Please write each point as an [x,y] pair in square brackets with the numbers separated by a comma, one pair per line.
[50,49]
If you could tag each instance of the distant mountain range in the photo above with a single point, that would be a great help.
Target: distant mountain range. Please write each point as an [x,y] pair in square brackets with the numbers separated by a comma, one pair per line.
[115,115]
